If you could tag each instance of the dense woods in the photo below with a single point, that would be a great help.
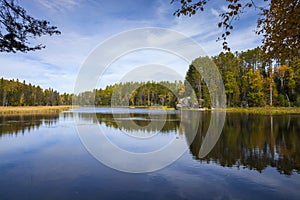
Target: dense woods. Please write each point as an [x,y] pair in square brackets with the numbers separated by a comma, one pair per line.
[135,94]
[15,93]
[249,81]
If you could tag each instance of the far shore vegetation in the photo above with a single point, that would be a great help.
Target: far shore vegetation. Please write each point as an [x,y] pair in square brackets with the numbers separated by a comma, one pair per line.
[41,110]
[251,84]
[32,110]
[249,81]
[255,110]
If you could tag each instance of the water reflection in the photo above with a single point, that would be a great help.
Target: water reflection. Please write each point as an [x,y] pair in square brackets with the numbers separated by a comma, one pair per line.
[125,121]
[248,141]
[255,142]
[14,125]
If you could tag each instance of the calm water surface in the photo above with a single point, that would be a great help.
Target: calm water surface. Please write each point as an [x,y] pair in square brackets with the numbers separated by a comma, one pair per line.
[256,157]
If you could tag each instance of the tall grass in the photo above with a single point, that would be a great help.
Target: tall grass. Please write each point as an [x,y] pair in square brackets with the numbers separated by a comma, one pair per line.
[265,110]
[18,110]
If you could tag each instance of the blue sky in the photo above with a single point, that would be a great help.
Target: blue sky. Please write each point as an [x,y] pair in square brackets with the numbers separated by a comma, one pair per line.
[87,23]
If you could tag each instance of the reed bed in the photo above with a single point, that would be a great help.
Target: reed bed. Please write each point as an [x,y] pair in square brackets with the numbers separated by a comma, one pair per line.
[32,110]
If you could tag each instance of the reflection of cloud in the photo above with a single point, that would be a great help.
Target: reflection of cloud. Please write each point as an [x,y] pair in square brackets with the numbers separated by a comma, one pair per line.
[96,141]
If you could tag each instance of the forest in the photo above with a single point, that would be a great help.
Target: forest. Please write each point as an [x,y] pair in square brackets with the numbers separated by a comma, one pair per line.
[15,93]
[249,80]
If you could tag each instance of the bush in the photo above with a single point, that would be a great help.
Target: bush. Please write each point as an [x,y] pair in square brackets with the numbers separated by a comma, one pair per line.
[297,103]
[282,101]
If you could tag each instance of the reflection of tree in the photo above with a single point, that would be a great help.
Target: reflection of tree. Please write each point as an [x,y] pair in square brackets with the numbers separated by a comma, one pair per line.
[251,141]
[141,121]
[22,123]
[193,123]
[255,142]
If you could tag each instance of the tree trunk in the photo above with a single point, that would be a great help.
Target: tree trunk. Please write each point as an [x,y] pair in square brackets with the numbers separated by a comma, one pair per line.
[4,98]
[271,94]
[149,97]
[287,97]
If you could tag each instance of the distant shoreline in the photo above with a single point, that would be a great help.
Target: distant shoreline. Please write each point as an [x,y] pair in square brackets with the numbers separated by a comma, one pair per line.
[254,110]
[33,110]
[40,110]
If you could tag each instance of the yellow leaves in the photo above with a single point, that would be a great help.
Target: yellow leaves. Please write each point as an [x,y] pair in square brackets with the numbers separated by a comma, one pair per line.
[282,68]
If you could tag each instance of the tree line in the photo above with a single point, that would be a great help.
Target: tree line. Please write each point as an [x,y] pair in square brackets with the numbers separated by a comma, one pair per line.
[15,93]
[249,81]
[149,93]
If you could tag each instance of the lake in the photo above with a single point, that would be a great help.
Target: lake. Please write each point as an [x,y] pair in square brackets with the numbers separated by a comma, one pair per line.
[55,157]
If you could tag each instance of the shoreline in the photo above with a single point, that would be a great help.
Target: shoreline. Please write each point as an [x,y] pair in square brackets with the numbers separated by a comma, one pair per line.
[33,110]
[250,110]
[41,110]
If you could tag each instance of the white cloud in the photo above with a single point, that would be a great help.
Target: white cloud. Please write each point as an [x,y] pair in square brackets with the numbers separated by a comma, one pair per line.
[34,72]
[59,4]
[56,66]
[243,39]
[224,9]
[215,12]
[137,66]
[68,50]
